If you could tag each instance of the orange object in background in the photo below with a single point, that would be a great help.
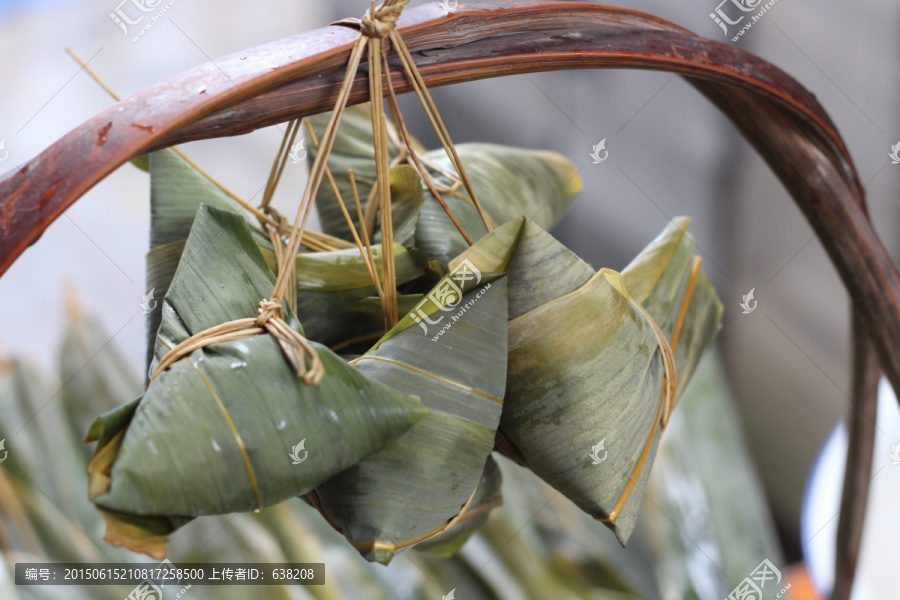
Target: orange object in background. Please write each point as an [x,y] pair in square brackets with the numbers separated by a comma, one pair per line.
[801,585]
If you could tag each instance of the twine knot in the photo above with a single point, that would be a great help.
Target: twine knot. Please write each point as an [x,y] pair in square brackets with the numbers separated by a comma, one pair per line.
[267,310]
[381,21]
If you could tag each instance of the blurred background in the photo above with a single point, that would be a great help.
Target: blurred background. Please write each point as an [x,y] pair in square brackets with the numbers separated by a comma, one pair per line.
[670,153]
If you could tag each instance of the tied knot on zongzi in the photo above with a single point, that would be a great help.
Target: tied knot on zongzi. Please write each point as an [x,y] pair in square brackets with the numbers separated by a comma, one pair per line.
[296,348]
[267,310]
[298,351]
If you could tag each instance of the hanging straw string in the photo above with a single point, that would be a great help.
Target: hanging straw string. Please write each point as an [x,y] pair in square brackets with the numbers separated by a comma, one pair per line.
[297,349]
[437,123]
[270,319]
[378,23]
[413,156]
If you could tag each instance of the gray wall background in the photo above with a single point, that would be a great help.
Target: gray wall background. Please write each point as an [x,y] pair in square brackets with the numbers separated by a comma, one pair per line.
[671,153]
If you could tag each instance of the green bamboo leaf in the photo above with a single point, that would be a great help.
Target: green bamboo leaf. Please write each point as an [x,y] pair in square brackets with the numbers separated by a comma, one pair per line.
[216,432]
[329,284]
[353,150]
[95,370]
[407,198]
[540,268]
[658,279]
[64,534]
[487,497]
[509,182]
[335,288]
[299,543]
[108,424]
[703,472]
[654,275]
[699,329]
[529,559]
[177,190]
[43,455]
[362,322]
[37,431]
[22,393]
[236,538]
[437,236]
[420,482]
[161,263]
[486,259]
[583,404]
[547,521]
[345,270]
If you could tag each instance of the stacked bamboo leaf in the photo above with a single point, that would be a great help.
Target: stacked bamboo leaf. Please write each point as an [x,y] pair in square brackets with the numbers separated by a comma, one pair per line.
[510,182]
[538,545]
[425,480]
[234,404]
[511,343]
[334,291]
